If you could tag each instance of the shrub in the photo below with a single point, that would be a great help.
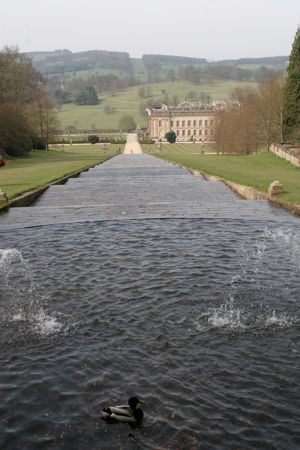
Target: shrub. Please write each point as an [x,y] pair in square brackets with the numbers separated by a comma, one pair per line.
[171,137]
[38,143]
[146,141]
[93,139]
[87,96]
[127,123]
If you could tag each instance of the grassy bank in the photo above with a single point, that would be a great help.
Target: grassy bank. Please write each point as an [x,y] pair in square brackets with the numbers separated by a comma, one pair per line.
[257,171]
[41,167]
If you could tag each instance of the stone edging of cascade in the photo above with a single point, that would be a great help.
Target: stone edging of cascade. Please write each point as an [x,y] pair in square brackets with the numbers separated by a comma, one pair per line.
[28,198]
[246,192]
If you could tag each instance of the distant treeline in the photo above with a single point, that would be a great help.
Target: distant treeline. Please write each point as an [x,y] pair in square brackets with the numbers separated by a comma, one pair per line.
[269,60]
[169,59]
[66,61]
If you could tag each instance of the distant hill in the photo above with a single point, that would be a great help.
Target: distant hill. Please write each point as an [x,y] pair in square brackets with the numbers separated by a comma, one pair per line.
[269,60]
[173,60]
[149,68]
[62,61]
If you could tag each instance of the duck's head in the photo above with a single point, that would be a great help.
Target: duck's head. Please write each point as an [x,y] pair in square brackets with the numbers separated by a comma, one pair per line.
[138,415]
[135,402]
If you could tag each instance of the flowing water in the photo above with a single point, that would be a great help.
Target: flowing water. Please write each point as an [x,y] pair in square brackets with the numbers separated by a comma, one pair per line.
[199,317]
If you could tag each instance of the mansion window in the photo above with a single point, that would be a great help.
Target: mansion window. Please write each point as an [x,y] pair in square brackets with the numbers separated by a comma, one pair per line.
[206,122]
[211,123]
[189,132]
[183,123]
[195,132]
[200,132]
[200,123]
[183,132]
[195,123]
[177,123]
[159,123]
[172,123]
[189,123]
[206,132]
[177,133]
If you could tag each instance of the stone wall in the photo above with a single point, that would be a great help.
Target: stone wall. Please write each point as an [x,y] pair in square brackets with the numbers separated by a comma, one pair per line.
[280,151]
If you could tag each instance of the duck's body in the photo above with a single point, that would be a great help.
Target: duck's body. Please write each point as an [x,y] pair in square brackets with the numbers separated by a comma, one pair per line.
[124,413]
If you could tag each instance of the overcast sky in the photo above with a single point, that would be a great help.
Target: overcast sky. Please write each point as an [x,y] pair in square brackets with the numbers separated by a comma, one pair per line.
[213,29]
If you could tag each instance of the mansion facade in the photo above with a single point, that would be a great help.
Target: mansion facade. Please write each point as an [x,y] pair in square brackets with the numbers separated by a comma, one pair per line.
[190,122]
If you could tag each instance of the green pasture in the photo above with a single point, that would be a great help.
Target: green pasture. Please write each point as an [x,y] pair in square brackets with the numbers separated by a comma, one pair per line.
[41,167]
[257,170]
[127,101]
[92,72]
[139,70]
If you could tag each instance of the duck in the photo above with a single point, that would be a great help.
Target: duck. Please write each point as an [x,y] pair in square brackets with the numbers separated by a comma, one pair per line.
[127,414]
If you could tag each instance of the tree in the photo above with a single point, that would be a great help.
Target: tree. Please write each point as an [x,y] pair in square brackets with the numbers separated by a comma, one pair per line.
[15,131]
[62,97]
[142,92]
[27,115]
[87,96]
[93,139]
[19,81]
[171,137]
[109,109]
[127,123]
[171,75]
[191,95]
[254,119]
[43,117]
[269,106]
[291,109]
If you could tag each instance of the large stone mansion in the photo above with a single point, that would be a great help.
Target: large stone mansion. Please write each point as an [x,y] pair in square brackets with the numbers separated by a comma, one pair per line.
[190,122]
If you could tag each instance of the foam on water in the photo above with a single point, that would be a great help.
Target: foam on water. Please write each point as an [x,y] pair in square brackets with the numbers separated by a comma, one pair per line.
[46,325]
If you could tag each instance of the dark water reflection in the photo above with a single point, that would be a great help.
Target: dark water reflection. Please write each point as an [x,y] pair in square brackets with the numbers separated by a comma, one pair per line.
[199,317]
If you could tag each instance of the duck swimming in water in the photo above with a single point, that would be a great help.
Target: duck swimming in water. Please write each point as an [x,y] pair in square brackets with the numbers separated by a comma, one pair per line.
[128,414]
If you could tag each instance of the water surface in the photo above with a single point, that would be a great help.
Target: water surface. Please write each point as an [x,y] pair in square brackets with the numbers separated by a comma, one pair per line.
[199,317]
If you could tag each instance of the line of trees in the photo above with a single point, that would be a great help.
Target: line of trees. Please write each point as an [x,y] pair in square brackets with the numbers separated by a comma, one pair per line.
[268,114]
[255,122]
[27,118]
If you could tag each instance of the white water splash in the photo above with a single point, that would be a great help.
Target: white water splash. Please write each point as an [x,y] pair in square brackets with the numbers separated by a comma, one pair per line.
[232,317]
[280,320]
[287,242]
[14,271]
[228,315]
[22,303]
[46,325]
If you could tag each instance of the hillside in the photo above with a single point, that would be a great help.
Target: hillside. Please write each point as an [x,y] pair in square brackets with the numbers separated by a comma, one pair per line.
[149,68]
[64,61]
[128,101]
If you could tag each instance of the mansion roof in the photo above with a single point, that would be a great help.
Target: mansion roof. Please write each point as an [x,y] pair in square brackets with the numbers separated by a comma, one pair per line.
[187,108]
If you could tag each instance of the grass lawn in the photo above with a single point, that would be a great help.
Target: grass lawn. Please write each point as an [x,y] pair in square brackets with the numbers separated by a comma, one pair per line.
[41,167]
[257,171]
[127,101]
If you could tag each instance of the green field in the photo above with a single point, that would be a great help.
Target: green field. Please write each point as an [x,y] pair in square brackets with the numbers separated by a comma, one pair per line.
[128,101]
[41,167]
[92,72]
[139,70]
[257,170]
